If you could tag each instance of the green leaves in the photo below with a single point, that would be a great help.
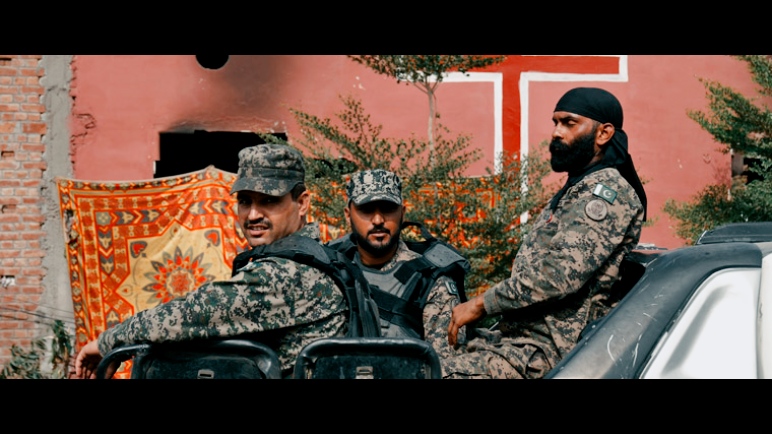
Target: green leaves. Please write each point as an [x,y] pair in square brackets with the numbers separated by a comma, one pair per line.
[29,364]
[742,126]
[478,215]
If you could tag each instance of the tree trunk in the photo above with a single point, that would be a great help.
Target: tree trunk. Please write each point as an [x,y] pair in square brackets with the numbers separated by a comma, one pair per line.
[430,132]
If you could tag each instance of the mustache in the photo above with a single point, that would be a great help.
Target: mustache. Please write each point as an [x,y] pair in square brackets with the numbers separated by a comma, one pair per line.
[378,230]
[557,145]
[259,222]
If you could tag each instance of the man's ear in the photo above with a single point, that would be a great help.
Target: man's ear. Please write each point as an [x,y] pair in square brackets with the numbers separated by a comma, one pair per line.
[304,203]
[347,213]
[605,133]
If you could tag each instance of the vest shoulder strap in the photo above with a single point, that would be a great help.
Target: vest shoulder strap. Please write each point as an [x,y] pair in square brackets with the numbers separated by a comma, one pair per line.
[438,258]
[344,245]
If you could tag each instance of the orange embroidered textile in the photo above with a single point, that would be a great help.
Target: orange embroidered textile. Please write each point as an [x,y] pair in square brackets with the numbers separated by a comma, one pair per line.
[132,245]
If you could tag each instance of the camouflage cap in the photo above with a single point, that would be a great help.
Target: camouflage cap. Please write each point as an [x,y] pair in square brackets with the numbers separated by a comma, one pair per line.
[269,168]
[371,185]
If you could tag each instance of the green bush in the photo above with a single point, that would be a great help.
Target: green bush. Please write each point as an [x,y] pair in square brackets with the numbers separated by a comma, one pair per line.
[29,363]
[478,215]
[742,126]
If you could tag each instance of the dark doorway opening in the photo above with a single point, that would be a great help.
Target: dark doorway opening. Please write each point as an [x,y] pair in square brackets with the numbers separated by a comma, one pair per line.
[188,152]
[750,168]
[753,175]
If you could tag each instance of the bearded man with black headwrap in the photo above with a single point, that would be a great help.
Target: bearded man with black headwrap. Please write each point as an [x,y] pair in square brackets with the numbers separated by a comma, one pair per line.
[562,276]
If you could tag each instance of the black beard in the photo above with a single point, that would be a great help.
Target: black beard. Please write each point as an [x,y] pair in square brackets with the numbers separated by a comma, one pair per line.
[574,157]
[377,251]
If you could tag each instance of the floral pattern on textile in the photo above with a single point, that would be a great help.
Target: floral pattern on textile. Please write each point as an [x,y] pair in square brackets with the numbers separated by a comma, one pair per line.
[135,244]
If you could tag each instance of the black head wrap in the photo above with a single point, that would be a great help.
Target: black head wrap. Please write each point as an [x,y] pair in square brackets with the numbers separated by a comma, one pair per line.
[601,106]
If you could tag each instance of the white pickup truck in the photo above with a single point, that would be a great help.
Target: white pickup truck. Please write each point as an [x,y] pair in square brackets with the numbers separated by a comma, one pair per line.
[695,312]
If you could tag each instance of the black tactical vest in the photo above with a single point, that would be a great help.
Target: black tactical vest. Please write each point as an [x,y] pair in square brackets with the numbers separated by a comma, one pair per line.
[401,293]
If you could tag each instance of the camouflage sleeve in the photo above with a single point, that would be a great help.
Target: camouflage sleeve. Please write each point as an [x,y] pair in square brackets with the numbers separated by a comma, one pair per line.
[268,294]
[563,252]
[443,297]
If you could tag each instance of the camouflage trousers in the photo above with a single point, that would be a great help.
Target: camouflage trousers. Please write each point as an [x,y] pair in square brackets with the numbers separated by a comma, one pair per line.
[492,356]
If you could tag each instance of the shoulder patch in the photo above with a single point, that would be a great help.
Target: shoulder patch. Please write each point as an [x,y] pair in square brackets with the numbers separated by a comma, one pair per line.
[605,193]
[596,209]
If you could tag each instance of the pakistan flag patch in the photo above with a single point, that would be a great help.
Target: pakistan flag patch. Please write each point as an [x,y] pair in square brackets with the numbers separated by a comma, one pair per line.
[605,193]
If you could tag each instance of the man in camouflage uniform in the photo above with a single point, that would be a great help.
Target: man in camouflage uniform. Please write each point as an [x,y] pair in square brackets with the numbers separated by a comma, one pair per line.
[563,273]
[375,213]
[296,303]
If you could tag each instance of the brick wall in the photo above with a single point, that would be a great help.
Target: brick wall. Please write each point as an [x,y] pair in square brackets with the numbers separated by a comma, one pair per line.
[21,203]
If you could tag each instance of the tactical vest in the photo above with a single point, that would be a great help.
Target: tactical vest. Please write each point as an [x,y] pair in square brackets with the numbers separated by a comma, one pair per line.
[401,293]
[363,317]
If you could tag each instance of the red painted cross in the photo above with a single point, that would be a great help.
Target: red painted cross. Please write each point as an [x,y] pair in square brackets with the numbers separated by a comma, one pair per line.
[518,70]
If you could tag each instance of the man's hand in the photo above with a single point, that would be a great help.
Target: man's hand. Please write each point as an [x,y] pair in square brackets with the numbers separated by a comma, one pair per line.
[87,361]
[464,314]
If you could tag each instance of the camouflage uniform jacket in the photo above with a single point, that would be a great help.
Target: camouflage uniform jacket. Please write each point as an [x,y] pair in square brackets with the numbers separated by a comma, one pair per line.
[296,302]
[443,297]
[562,274]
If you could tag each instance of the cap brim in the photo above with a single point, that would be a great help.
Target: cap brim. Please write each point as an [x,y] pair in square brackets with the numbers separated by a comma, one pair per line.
[367,198]
[271,187]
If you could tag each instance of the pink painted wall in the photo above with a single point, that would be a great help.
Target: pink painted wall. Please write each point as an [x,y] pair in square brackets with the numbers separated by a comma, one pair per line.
[129,100]
[122,103]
